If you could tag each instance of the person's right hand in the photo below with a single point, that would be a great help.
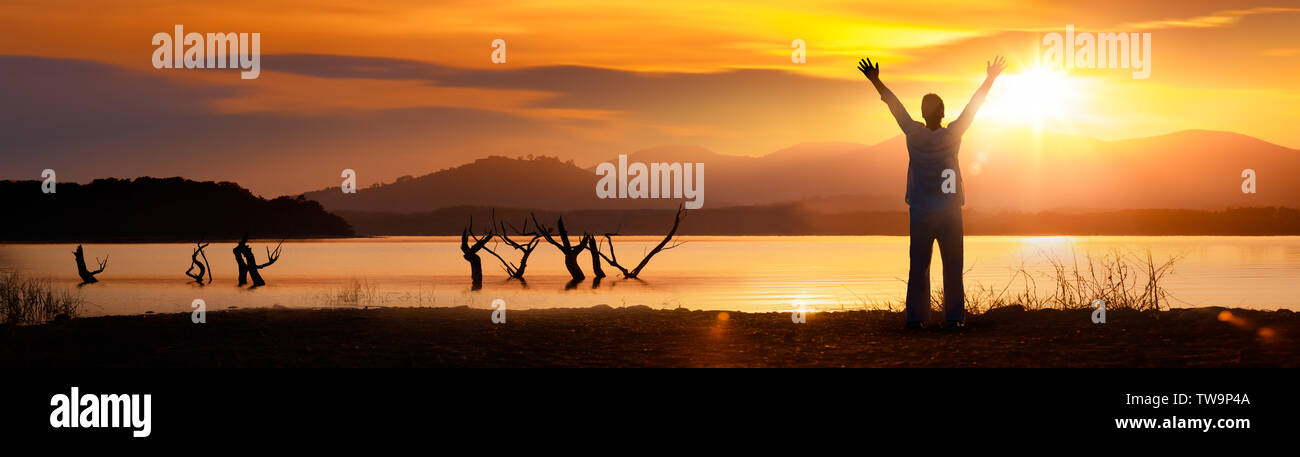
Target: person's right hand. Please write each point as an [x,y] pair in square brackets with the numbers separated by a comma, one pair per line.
[872,72]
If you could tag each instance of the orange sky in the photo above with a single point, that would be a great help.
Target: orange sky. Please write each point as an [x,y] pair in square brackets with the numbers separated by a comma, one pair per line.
[407,87]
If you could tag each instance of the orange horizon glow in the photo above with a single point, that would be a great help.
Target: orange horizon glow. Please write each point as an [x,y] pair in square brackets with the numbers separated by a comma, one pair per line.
[724,69]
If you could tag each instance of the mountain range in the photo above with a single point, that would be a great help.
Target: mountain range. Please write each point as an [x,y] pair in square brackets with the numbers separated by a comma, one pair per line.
[1003,170]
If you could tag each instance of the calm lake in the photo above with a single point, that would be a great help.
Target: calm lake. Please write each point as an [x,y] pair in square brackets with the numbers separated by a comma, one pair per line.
[728,273]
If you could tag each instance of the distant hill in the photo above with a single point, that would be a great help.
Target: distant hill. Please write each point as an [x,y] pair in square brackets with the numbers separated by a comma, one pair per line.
[543,182]
[157,209]
[1004,170]
[1192,169]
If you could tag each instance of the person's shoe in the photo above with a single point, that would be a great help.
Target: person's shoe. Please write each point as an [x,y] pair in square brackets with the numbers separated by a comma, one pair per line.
[957,325]
[913,326]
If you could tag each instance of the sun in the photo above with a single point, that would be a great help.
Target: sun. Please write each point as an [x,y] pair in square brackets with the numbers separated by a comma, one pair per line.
[1034,97]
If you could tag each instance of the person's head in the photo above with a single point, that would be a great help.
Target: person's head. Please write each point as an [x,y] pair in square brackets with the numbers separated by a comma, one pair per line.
[932,108]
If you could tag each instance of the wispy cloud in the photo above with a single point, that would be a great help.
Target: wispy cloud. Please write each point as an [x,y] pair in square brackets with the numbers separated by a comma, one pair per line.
[1218,19]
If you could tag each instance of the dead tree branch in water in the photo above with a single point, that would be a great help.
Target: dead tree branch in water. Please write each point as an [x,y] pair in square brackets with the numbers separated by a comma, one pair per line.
[202,267]
[570,251]
[250,262]
[589,242]
[239,260]
[470,253]
[612,259]
[87,276]
[527,247]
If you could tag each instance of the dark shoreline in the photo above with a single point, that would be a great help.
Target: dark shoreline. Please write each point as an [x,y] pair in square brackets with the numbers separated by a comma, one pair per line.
[364,237]
[796,219]
[163,240]
[641,337]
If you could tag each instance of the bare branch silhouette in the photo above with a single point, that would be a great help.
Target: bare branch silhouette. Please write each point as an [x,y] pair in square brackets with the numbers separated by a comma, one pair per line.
[527,247]
[612,259]
[470,253]
[589,242]
[239,260]
[202,267]
[570,251]
[271,255]
[87,276]
[249,262]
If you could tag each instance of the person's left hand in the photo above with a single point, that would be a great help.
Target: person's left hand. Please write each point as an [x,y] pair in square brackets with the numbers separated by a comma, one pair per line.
[996,66]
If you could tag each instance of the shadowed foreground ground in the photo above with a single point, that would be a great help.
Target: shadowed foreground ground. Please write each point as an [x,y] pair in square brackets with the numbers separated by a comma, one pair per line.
[638,336]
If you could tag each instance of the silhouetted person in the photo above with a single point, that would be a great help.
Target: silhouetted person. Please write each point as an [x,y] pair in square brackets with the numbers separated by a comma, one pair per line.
[934,194]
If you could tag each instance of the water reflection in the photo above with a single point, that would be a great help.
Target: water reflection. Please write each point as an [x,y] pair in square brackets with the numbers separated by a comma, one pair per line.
[726,273]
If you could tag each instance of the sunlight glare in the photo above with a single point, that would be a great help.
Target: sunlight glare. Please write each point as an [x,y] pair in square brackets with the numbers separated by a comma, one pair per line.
[1033,97]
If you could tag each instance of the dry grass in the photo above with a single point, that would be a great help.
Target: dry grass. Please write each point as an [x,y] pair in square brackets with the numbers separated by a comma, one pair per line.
[26,300]
[359,293]
[1123,280]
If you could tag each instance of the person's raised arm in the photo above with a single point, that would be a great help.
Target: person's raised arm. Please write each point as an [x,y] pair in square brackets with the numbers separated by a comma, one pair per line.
[872,72]
[968,114]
